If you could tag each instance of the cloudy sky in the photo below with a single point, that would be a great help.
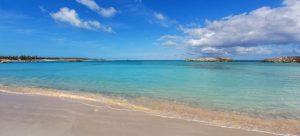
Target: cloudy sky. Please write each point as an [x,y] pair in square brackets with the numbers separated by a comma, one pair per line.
[150,29]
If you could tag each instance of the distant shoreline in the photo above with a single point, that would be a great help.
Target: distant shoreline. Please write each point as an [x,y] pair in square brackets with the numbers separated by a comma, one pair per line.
[12,59]
[16,59]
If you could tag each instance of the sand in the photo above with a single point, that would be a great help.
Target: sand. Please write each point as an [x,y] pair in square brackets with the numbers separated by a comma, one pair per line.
[36,115]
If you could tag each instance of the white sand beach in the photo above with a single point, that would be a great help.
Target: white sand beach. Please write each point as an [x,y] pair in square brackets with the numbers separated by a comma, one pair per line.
[36,115]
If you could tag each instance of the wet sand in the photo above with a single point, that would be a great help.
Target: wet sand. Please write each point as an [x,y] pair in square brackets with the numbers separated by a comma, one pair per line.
[36,115]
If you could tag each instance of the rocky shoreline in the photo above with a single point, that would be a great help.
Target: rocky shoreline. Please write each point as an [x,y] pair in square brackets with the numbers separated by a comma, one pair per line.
[210,60]
[286,59]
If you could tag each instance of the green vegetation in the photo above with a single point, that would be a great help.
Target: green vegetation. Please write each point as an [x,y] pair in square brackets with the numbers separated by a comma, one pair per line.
[9,59]
[20,57]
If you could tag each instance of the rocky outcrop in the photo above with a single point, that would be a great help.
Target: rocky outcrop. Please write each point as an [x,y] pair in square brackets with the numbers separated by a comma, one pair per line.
[210,60]
[287,59]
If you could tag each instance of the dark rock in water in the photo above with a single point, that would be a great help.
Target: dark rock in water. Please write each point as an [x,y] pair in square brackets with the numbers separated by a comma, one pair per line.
[210,60]
[287,59]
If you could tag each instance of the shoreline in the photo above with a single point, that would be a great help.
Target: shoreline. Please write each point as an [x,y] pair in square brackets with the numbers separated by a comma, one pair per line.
[36,114]
[17,59]
[120,104]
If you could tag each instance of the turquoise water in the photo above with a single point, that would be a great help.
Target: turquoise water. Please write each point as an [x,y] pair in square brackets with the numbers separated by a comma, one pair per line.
[261,89]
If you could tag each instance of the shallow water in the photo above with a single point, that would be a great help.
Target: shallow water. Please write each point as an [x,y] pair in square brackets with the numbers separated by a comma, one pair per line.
[264,90]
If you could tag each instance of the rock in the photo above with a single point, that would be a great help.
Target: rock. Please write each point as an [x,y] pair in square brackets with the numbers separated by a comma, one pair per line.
[210,60]
[287,59]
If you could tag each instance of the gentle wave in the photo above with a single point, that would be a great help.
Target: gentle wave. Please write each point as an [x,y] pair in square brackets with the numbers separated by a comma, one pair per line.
[169,109]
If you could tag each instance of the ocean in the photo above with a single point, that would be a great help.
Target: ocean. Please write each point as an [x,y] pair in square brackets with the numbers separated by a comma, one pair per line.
[212,92]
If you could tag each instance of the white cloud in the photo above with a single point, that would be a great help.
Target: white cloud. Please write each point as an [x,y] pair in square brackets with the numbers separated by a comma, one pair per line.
[169,43]
[159,16]
[211,50]
[169,37]
[169,40]
[162,19]
[70,16]
[247,33]
[105,12]
[253,50]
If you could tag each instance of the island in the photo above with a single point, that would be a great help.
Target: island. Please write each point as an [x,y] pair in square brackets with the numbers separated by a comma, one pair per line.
[286,59]
[11,59]
[218,59]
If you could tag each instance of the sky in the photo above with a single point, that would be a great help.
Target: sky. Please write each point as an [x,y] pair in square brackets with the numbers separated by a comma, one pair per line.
[150,29]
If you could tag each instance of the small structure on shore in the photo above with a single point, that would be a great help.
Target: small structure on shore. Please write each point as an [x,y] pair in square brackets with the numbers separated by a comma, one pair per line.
[210,60]
[286,59]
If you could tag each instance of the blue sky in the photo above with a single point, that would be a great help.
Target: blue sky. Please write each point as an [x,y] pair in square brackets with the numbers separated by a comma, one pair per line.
[150,29]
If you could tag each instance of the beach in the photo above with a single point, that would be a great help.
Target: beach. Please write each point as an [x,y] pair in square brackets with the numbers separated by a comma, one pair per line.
[35,115]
